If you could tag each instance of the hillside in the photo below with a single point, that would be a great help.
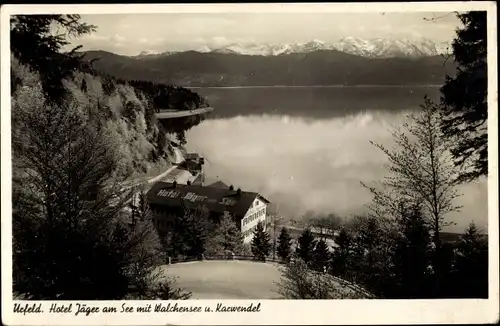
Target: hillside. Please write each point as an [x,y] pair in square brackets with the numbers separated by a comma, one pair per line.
[327,67]
[126,111]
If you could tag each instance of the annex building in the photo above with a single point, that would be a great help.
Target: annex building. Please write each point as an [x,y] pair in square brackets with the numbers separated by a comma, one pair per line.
[168,200]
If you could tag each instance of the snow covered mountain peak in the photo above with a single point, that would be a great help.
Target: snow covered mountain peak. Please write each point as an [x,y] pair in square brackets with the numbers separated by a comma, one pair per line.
[372,48]
[147,52]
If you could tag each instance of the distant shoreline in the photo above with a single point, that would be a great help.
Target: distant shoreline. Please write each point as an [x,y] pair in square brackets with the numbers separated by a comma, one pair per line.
[317,86]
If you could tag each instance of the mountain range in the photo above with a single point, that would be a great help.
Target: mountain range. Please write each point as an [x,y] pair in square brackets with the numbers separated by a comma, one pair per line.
[372,48]
[314,68]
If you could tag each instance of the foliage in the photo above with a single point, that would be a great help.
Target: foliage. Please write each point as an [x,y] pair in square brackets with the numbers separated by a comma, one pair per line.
[126,112]
[299,282]
[165,290]
[190,232]
[261,245]
[421,172]
[305,246]
[320,256]
[75,139]
[66,208]
[225,237]
[346,256]
[168,97]
[284,245]
[371,245]
[410,257]
[471,264]
[35,45]
[464,98]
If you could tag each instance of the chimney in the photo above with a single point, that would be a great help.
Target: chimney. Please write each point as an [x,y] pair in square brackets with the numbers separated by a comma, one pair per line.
[189,182]
[231,187]
[238,191]
[174,184]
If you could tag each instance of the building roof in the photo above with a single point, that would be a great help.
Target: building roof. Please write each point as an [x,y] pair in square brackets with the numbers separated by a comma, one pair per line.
[219,184]
[215,199]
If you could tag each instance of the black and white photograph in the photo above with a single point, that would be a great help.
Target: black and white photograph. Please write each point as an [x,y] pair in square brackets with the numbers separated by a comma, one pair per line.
[252,155]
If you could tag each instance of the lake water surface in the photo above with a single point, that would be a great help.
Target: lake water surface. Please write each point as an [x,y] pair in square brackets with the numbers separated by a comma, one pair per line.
[307,148]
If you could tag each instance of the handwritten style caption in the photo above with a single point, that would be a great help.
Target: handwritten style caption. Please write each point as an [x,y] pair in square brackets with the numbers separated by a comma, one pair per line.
[84,309]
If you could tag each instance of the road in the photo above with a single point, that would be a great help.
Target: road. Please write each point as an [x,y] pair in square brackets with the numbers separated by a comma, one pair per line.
[166,175]
[170,114]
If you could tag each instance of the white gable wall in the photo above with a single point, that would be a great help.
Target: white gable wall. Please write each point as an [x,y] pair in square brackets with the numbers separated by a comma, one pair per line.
[257,212]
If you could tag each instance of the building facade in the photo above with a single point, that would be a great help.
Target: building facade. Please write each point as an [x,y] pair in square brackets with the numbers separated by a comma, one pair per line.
[168,200]
[255,214]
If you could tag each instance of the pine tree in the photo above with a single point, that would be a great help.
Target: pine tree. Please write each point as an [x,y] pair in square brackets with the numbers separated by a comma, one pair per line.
[261,242]
[411,256]
[194,229]
[284,245]
[464,98]
[305,247]
[321,256]
[343,257]
[34,45]
[225,237]
[471,267]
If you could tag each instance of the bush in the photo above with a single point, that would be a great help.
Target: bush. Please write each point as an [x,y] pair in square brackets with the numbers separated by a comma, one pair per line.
[299,282]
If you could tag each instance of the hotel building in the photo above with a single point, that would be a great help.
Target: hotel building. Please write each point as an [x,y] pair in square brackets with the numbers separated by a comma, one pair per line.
[168,200]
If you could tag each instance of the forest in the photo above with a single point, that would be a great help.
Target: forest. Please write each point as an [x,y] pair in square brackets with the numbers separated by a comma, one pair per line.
[77,136]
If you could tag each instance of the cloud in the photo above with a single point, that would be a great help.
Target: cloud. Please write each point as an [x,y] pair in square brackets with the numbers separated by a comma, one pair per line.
[315,166]
[102,42]
[219,41]
[177,32]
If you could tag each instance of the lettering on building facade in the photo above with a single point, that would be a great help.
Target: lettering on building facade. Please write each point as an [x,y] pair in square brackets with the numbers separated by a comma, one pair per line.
[168,193]
[193,197]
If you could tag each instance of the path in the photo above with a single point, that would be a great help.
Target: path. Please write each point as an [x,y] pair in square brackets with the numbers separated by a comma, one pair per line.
[170,114]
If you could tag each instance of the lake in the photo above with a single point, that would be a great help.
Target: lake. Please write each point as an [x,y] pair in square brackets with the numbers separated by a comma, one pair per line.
[307,148]
[320,102]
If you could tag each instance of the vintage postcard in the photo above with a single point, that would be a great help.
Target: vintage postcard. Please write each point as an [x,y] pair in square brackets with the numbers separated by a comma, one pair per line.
[227,164]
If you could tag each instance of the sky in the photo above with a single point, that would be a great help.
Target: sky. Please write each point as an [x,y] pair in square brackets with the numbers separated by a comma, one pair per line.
[130,34]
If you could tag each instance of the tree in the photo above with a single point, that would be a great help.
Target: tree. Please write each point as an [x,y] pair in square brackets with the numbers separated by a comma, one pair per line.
[371,246]
[35,45]
[284,245]
[343,257]
[410,257]
[471,264]
[66,208]
[320,256]
[464,98]
[193,226]
[261,244]
[225,237]
[305,247]
[421,170]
